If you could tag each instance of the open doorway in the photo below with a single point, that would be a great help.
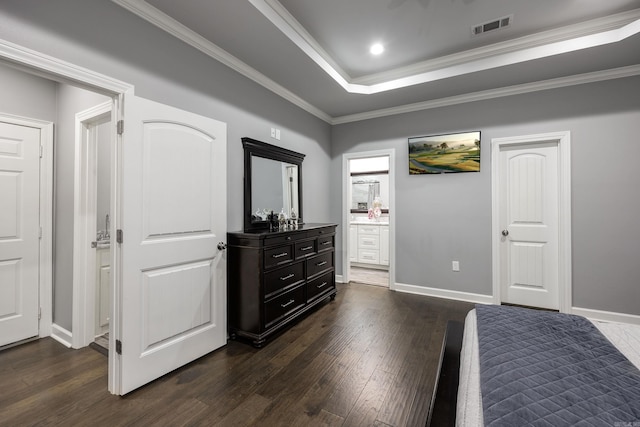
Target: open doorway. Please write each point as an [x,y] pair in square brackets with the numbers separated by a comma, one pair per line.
[92,227]
[368,210]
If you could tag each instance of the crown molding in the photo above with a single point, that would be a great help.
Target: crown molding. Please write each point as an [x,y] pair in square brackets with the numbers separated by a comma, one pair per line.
[592,33]
[161,20]
[287,24]
[596,32]
[578,79]
[587,28]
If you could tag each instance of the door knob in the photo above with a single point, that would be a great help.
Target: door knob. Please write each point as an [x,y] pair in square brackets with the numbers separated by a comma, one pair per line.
[222,246]
[505,233]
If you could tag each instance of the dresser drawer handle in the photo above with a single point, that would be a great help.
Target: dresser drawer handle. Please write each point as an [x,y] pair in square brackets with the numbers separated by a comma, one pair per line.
[287,303]
[320,264]
[279,255]
[322,285]
[287,277]
[306,248]
[328,242]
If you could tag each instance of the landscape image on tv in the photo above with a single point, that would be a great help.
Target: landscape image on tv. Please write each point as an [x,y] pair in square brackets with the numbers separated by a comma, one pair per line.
[455,152]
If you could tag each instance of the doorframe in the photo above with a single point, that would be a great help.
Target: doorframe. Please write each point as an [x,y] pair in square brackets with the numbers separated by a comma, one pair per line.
[346,220]
[49,67]
[45,285]
[563,141]
[84,226]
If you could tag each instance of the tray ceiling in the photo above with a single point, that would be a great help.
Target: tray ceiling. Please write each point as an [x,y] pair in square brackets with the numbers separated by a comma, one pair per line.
[316,53]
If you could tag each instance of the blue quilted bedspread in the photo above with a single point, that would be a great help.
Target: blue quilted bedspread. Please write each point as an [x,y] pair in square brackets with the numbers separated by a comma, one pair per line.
[540,368]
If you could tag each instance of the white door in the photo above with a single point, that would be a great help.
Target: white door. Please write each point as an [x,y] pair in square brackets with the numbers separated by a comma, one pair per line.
[528,218]
[173,285]
[19,232]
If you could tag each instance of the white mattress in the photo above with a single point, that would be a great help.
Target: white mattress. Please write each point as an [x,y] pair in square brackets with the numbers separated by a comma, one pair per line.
[469,410]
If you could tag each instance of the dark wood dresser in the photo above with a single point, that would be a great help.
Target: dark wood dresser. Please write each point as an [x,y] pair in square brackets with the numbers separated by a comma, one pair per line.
[273,277]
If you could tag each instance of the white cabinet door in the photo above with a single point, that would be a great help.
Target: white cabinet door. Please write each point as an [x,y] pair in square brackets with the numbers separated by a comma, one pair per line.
[353,243]
[19,232]
[173,293]
[384,245]
[368,244]
[103,281]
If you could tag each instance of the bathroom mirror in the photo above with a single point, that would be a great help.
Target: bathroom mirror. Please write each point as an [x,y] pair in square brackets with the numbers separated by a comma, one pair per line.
[365,187]
[272,182]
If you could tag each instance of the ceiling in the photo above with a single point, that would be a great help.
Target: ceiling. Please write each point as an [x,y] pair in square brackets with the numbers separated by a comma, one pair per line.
[316,53]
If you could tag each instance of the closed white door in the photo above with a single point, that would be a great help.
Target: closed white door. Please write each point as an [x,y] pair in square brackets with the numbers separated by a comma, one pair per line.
[173,289]
[19,232]
[528,218]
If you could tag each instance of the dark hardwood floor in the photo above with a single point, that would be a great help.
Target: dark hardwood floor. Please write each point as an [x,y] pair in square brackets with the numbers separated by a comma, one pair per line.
[367,359]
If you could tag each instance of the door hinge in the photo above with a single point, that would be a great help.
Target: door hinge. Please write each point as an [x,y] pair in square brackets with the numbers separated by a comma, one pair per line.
[118,346]
[41,150]
[120,127]
[40,233]
[39,313]
[119,236]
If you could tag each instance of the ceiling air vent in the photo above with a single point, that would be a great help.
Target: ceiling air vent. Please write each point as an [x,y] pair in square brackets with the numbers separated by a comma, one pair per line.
[496,24]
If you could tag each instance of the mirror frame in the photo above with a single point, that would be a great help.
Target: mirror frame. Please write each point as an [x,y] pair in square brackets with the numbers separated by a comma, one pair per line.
[253,147]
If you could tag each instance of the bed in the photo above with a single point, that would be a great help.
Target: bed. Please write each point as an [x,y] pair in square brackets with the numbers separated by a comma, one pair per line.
[577,372]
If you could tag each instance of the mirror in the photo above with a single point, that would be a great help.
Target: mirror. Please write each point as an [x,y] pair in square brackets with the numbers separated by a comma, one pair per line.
[366,187]
[272,182]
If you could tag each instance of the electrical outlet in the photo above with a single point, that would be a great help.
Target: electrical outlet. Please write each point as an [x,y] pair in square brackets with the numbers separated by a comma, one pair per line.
[278,134]
[273,132]
[455,265]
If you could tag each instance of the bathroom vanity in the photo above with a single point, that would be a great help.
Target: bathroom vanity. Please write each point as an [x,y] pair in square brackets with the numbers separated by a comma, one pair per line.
[369,241]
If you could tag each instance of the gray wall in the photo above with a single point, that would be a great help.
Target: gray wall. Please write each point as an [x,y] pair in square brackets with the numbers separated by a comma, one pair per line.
[38,98]
[26,95]
[439,218]
[448,217]
[70,100]
[103,37]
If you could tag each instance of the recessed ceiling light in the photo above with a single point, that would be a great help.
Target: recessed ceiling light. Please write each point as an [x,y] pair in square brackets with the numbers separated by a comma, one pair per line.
[376,49]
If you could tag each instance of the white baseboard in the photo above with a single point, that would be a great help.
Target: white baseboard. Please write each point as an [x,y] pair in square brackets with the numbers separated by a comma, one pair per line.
[61,335]
[606,316]
[444,293]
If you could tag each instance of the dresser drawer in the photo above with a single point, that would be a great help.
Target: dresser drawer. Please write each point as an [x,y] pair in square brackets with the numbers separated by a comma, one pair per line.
[320,231]
[278,256]
[325,243]
[282,278]
[305,248]
[320,285]
[281,306]
[278,240]
[319,263]
[368,242]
